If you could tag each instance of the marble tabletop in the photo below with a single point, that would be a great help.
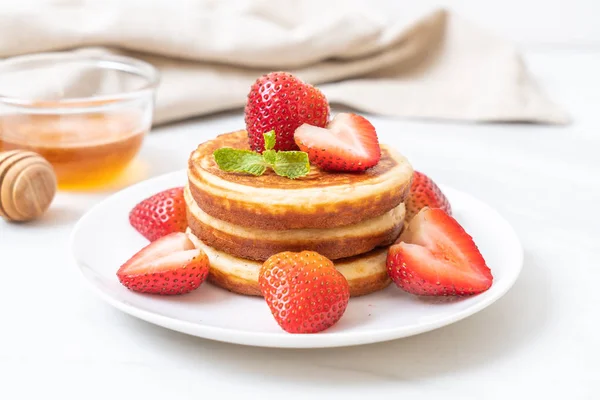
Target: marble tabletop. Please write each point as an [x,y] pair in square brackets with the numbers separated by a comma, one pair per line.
[59,340]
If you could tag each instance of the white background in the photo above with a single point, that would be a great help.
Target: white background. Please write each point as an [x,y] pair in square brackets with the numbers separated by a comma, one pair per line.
[57,340]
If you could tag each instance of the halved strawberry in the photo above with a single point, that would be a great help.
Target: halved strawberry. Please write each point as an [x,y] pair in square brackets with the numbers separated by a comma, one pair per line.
[170,265]
[160,214]
[348,143]
[435,256]
[425,193]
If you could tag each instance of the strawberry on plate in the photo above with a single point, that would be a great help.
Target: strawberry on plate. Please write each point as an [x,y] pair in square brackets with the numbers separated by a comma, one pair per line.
[348,143]
[304,291]
[435,256]
[168,266]
[425,193]
[281,102]
[160,214]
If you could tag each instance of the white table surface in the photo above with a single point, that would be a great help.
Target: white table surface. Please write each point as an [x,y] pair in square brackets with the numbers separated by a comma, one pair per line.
[539,341]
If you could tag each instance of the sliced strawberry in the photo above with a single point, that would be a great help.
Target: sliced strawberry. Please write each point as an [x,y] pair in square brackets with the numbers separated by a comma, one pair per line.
[425,193]
[160,214]
[170,265]
[348,143]
[436,257]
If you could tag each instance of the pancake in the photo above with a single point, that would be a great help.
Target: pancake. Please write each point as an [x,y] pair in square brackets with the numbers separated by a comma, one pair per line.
[319,200]
[366,273]
[260,244]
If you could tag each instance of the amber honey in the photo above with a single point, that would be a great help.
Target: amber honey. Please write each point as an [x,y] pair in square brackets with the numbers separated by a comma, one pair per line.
[85,150]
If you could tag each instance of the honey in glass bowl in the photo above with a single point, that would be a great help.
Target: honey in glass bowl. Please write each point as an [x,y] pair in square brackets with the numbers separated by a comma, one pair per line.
[86,151]
[90,126]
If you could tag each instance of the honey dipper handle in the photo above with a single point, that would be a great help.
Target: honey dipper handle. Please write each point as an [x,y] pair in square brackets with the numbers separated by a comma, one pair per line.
[27,185]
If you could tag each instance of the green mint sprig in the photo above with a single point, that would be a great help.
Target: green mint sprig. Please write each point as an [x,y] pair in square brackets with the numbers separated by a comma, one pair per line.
[290,164]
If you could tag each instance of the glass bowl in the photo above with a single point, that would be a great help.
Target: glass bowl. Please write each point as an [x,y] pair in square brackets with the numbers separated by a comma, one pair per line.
[87,114]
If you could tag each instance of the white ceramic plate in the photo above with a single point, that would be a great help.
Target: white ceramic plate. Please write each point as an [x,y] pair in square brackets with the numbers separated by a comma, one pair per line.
[103,239]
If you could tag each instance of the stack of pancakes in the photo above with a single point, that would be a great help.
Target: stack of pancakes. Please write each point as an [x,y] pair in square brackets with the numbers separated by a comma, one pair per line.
[240,220]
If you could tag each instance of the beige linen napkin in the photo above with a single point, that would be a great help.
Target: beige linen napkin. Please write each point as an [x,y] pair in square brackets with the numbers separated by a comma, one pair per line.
[434,65]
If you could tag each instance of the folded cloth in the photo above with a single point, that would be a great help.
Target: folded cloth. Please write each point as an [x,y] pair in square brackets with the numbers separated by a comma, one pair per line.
[433,65]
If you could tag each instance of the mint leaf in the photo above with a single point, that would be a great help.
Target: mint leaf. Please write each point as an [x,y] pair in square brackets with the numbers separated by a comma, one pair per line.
[270,156]
[235,160]
[269,140]
[291,164]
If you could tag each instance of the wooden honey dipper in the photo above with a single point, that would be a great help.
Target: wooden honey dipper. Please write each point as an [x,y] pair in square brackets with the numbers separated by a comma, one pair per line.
[27,185]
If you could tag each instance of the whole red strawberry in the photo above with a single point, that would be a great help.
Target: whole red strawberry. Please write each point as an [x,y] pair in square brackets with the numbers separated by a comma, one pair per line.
[170,265]
[435,256]
[304,291]
[425,193]
[281,102]
[160,214]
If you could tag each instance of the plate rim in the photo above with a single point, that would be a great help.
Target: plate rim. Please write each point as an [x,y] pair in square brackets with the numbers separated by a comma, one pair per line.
[283,339]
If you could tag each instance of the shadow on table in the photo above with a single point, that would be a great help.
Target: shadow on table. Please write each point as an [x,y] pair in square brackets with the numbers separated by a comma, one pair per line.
[511,323]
